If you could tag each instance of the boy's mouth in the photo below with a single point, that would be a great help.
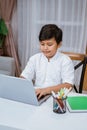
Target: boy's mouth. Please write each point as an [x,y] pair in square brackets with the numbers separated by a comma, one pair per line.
[46,52]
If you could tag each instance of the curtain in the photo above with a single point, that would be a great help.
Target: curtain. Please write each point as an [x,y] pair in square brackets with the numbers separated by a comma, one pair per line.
[69,15]
[6,10]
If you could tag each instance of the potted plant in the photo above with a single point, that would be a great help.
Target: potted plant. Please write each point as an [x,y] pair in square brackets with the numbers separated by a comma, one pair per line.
[3,33]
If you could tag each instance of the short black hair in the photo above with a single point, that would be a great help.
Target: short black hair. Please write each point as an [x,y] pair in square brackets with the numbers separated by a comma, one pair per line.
[49,31]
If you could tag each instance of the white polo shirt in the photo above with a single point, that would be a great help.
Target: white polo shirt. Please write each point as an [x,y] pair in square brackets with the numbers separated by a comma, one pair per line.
[46,73]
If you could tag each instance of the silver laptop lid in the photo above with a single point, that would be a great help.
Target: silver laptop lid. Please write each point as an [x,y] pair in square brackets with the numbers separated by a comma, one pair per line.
[17,89]
[3,127]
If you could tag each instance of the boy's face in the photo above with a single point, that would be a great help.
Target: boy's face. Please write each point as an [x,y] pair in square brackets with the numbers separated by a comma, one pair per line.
[49,47]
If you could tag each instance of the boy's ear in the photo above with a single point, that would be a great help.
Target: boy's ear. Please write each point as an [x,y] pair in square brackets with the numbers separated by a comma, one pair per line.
[60,44]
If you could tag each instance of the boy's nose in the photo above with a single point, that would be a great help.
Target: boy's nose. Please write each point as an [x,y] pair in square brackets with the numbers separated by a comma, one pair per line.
[45,47]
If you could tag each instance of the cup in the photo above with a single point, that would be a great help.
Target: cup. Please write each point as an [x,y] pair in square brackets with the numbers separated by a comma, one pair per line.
[59,105]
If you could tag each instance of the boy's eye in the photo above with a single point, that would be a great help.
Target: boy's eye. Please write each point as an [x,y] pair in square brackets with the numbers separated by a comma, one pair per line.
[42,44]
[49,44]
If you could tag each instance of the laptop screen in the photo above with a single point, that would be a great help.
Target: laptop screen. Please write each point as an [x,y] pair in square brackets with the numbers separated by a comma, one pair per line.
[18,89]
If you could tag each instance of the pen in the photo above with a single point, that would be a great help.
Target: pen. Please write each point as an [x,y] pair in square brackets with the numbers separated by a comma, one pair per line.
[53,94]
[66,93]
[60,103]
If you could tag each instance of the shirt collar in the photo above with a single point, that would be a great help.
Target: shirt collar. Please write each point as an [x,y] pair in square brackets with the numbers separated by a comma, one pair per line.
[53,58]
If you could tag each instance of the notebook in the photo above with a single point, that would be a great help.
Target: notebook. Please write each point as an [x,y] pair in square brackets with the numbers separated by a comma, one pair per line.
[77,103]
[19,89]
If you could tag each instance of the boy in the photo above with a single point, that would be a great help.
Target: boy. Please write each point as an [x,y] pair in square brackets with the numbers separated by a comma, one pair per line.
[50,69]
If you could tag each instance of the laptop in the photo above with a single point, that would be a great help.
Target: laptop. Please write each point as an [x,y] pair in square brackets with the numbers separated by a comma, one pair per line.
[3,127]
[18,89]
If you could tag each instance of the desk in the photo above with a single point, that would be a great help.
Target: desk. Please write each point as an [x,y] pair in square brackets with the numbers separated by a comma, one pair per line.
[28,117]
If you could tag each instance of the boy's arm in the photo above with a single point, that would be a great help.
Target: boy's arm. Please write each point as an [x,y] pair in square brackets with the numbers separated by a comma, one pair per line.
[22,77]
[47,90]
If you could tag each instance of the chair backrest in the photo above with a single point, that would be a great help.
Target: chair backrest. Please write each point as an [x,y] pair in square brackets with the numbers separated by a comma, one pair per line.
[82,58]
[7,65]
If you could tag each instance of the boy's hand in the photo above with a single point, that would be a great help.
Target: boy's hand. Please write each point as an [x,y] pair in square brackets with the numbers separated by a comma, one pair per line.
[40,92]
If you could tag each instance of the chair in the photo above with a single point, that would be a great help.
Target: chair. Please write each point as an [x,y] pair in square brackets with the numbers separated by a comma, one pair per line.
[7,65]
[82,58]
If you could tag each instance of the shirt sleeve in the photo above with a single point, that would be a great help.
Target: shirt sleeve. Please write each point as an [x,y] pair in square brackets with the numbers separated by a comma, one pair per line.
[29,70]
[67,72]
